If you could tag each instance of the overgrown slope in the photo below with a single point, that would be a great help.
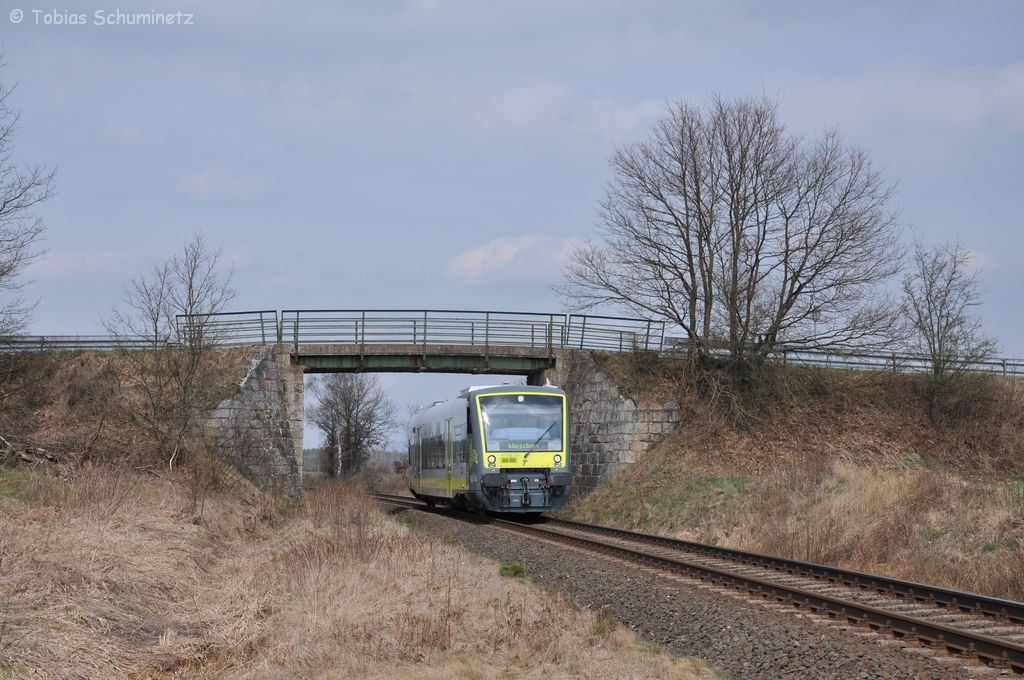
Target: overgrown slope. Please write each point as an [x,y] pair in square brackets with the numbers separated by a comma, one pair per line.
[836,467]
[81,406]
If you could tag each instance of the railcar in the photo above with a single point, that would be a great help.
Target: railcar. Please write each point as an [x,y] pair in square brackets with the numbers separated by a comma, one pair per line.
[499,448]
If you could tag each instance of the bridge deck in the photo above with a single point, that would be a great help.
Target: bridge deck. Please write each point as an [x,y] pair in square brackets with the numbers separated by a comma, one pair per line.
[441,358]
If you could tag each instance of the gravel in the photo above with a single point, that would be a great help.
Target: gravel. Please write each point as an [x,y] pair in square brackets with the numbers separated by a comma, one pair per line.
[745,640]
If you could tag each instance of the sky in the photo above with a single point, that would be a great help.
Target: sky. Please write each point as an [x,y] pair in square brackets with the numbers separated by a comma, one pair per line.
[449,154]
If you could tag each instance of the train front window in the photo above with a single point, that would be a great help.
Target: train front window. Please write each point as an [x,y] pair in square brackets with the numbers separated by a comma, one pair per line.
[522,422]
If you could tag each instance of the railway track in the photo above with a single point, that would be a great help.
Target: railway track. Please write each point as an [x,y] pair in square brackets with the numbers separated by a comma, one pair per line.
[965,624]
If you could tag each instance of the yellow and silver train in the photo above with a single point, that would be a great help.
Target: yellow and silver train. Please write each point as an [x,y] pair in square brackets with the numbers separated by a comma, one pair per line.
[500,448]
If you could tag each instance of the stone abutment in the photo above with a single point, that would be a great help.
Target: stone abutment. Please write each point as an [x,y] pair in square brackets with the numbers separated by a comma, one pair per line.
[259,429]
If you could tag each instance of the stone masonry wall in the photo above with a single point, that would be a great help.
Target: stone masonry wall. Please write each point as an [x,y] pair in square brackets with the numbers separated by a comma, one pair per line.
[259,429]
[607,429]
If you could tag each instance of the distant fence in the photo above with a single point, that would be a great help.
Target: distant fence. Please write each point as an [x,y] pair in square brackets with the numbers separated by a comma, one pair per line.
[894,362]
[72,343]
[299,328]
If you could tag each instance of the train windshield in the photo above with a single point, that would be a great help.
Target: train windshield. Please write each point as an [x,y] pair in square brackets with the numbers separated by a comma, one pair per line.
[522,422]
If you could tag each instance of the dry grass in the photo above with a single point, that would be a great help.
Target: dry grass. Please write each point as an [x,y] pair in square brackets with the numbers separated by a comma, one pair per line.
[75,404]
[837,467]
[903,520]
[918,523]
[111,574]
[801,414]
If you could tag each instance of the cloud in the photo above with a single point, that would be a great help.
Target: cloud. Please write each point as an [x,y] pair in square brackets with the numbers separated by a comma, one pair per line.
[74,263]
[529,256]
[983,261]
[282,282]
[951,98]
[521,108]
[532,108]
[215,185]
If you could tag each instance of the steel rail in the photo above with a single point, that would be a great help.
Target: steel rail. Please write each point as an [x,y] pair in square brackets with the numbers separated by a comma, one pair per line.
[958,641]
[399,500]
[984,647]
[972,603]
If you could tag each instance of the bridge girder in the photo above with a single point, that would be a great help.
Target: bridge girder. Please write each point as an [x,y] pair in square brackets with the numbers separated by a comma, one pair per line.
[425,363]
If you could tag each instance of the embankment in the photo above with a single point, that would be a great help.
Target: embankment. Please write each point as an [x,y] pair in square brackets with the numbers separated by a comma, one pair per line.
[831,466]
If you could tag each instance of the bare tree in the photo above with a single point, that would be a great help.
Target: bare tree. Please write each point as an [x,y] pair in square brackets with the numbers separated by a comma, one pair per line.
[355,415]
[22,189]
[941,296]
[169,312]
[744,236]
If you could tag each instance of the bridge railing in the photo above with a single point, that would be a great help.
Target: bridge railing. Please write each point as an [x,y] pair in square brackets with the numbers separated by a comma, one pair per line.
[484,329]
[422,327]
[256,327]
[614,333]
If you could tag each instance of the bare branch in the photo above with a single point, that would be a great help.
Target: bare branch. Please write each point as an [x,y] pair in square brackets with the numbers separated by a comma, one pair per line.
[22,189]
[941,295]
[742,235]
[355,415]
[171,307]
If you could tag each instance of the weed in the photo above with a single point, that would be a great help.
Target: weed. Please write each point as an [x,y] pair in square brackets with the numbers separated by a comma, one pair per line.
[603,625]
[13,482]
[648,646]
[513,570]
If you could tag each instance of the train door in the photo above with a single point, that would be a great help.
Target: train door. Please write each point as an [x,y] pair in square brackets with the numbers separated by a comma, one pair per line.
[448,457]
[417,442]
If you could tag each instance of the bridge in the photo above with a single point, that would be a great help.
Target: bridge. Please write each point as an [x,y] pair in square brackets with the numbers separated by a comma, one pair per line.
[259,429]
[459,341]
[450,341]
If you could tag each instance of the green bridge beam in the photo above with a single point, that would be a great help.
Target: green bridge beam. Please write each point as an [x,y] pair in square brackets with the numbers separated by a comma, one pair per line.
[459,363]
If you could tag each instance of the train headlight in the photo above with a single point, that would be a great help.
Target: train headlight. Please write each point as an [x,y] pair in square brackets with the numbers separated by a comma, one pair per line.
[558,459]
[491,460]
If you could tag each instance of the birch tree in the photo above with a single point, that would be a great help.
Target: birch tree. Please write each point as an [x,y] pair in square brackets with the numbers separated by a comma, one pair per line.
[355,415]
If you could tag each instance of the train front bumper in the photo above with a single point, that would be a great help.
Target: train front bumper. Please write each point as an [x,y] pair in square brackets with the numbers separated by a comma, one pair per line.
[525,490]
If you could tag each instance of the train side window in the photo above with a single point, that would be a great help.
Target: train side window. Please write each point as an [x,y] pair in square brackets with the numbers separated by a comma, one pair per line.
[434,444]
[459,443]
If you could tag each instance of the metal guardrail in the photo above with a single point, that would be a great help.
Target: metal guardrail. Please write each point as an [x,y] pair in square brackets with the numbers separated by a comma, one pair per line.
[486,329]
[73,343]
[894,362]
[614,333]
[258,327]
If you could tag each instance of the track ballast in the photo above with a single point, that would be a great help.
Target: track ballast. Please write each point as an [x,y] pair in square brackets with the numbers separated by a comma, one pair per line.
[961,623]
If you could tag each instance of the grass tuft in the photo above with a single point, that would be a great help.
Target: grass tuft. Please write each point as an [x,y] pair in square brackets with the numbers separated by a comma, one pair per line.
[513,570]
